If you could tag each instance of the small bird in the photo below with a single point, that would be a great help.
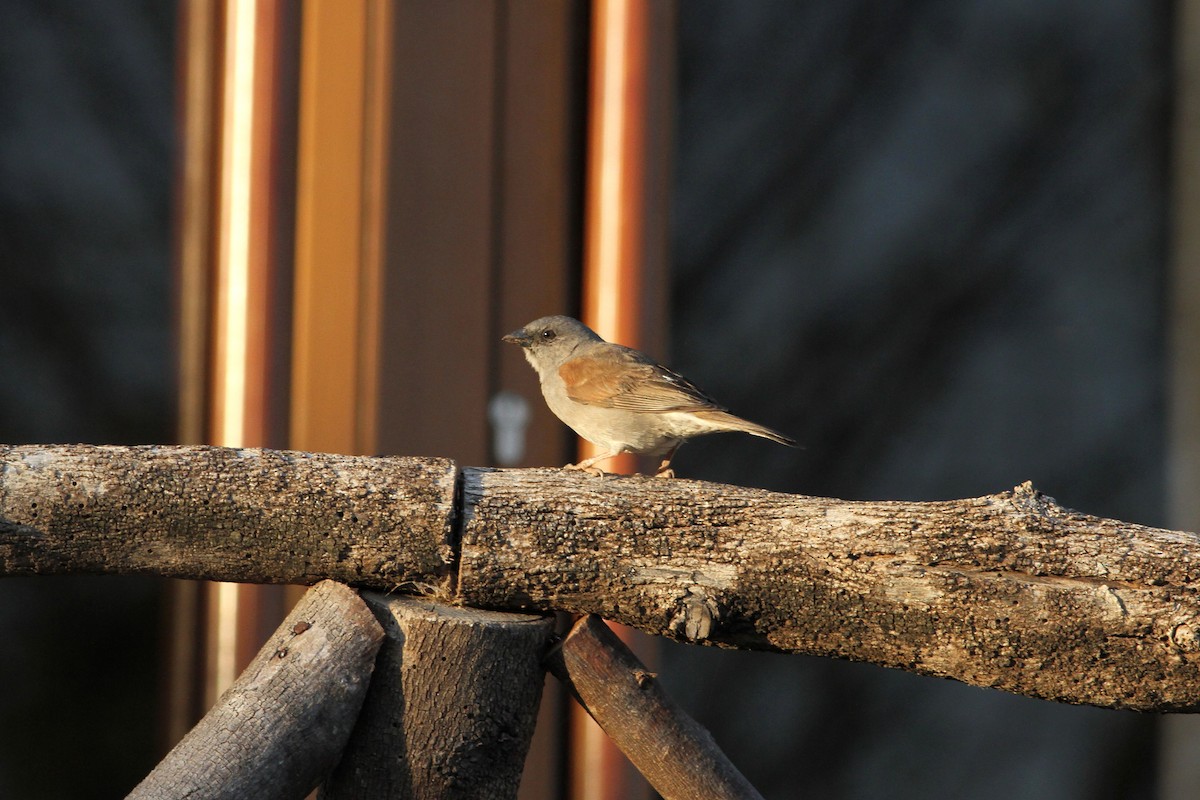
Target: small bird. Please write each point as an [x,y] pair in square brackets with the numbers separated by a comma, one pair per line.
[618,398]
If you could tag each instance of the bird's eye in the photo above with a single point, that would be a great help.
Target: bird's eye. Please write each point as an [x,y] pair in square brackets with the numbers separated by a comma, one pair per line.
[548,335]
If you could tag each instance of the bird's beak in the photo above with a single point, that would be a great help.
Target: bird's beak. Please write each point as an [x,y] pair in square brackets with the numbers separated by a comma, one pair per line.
[518,336]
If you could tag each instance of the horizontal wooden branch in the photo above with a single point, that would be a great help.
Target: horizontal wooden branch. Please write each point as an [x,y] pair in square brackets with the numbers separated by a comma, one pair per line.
[1008,590]
[252,516]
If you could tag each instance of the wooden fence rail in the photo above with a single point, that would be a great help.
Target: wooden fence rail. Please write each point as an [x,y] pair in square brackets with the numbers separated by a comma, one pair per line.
[1009,590]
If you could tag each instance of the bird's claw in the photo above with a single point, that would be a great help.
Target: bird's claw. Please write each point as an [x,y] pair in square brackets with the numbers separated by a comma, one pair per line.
[590,469]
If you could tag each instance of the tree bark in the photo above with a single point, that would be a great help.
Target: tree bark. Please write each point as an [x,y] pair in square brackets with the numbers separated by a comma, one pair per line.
[672,751]
[452,704]
[254,516]
[1009,590]
[281,726]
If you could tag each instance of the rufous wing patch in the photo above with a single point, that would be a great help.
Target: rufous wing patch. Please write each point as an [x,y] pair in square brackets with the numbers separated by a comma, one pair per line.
[594,381]
[624,381]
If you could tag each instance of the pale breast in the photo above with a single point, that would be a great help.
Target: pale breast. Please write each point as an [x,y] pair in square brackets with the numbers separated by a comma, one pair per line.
[612,428]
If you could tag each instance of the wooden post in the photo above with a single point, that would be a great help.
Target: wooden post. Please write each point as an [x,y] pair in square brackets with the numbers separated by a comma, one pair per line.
[452,704]
[281,726]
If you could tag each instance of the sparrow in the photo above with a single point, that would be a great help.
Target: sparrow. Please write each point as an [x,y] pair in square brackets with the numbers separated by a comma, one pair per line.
[618,398]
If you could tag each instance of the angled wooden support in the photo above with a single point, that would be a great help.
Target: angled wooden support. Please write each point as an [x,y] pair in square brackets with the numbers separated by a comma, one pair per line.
[452,704]
[282,725]
[674,752]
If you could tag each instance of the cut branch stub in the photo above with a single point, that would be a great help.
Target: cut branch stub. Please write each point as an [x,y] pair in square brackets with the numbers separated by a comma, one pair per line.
[257,516]
[451,707]
[1009,590]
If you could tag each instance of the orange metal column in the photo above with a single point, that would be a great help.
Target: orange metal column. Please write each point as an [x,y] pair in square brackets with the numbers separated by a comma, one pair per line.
[628,174]
[625,263]
[247,270]
[230,340]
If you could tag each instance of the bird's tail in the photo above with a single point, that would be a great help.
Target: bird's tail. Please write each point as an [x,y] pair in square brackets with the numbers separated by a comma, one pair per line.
[729,422]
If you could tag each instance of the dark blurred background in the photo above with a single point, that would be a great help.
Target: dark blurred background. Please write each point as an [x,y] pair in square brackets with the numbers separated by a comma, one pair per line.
[927,239]
[86,165]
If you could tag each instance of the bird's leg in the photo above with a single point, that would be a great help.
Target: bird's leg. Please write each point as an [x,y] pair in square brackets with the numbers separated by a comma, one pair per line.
[587,464]
[664,469]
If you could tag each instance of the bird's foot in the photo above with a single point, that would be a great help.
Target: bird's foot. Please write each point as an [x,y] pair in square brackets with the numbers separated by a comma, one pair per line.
[590,469]
[664,469]
[588,465]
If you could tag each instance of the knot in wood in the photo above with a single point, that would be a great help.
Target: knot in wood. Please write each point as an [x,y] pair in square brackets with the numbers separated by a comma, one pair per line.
[696,615]
[644,678]
[1183,637]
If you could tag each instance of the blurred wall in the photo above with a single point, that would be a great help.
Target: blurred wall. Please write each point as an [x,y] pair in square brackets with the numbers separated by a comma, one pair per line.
[927,239]
[86,138]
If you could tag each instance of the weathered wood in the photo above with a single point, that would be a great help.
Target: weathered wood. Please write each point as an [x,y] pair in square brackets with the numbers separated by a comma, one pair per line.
[1009,590]
[282,725]
[674,752]
[257,516]
[452,704]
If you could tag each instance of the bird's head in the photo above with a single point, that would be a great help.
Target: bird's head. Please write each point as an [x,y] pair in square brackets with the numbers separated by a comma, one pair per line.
[549,341]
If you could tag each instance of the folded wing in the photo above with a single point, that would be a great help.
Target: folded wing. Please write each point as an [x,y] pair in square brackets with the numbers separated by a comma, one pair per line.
[625,379]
